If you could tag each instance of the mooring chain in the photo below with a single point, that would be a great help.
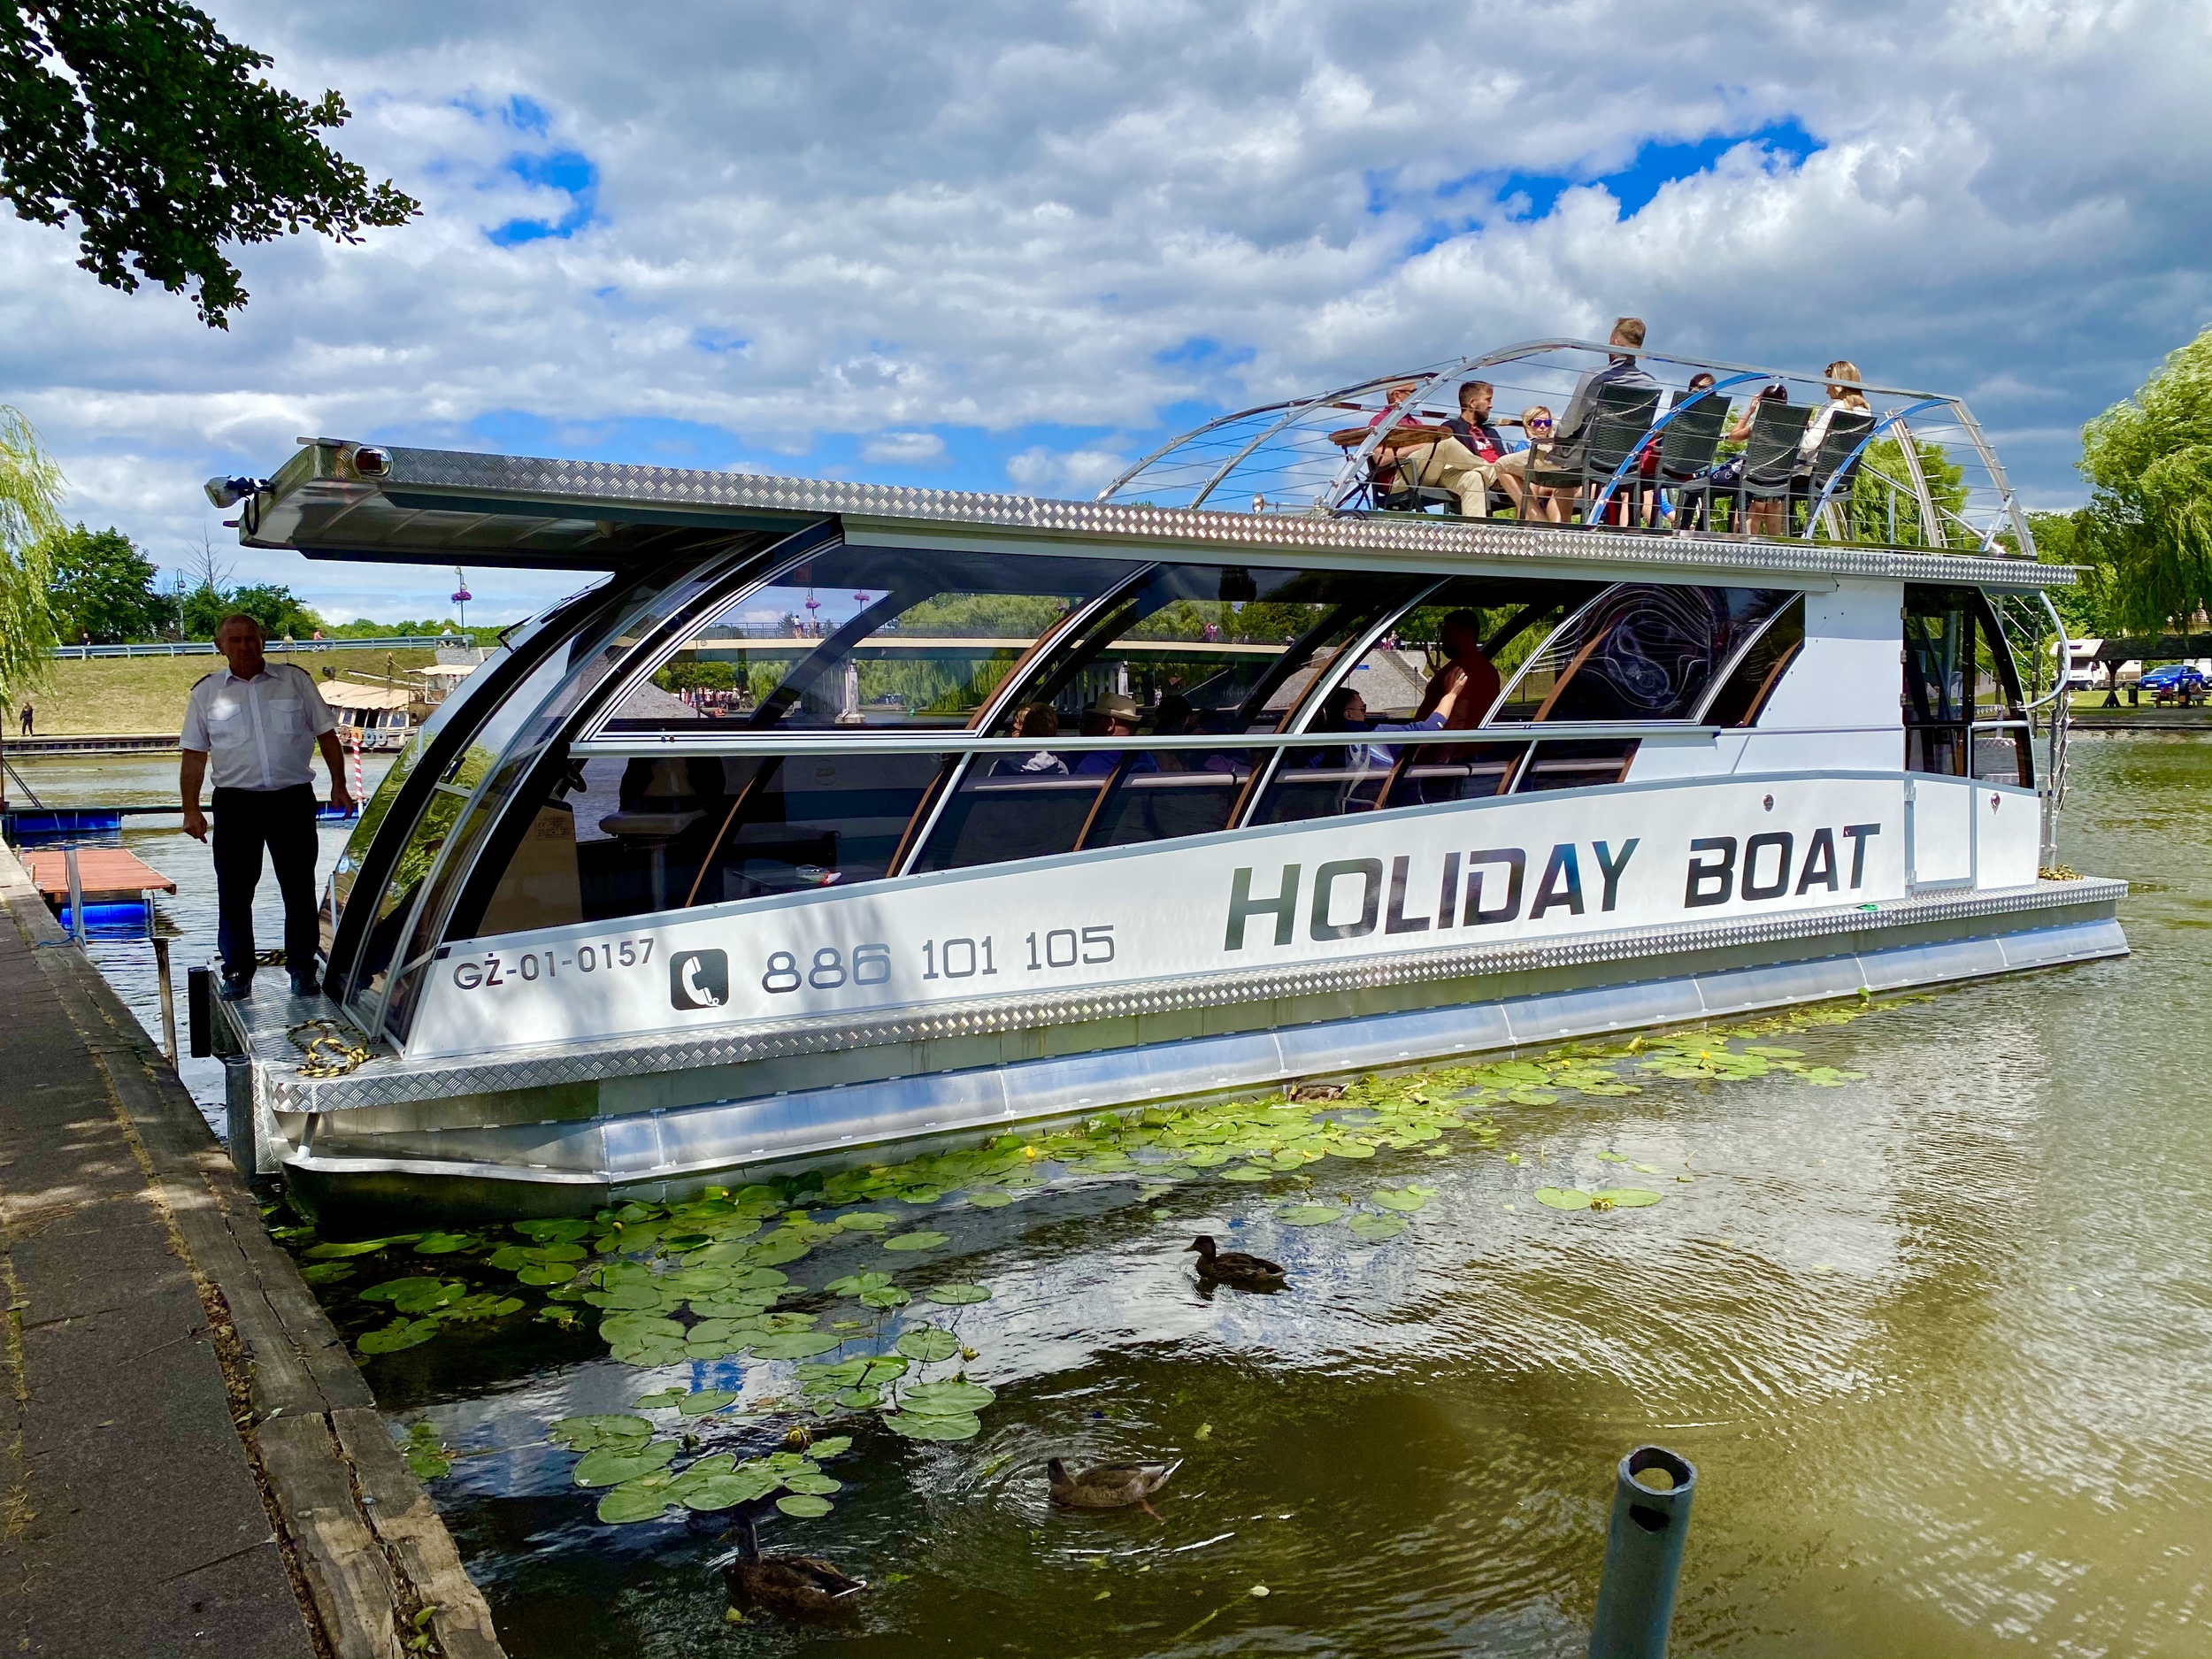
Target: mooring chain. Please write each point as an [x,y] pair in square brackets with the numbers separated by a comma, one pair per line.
[330,1052]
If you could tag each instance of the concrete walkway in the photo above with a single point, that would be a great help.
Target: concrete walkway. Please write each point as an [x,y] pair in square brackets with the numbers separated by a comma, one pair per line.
[189,1462]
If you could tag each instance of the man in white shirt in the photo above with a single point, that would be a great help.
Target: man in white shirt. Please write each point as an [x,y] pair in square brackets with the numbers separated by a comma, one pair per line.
[259,726]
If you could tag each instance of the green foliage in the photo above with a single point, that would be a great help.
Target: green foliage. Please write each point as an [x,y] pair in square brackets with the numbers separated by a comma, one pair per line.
[2088,609]
[270,603]
[1884,485]
[30,496]
[2148,523]
[697,676]
[104,586]
[150,127]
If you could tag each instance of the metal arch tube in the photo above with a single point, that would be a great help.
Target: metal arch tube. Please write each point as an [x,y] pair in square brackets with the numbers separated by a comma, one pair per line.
[1849,461]
[1659,425]
[1908,446]
[1232,464]
[1997,476]
[1182,438]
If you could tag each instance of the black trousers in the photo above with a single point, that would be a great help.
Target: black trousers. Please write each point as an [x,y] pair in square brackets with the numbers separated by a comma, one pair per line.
[283,821]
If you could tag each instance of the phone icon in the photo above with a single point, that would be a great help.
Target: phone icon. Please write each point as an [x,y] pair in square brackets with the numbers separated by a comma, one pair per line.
[699,979]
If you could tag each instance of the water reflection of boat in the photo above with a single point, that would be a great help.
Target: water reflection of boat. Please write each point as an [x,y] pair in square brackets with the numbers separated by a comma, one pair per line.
[680,884]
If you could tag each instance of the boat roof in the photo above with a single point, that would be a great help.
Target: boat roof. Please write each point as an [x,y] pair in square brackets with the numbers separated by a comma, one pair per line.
[343,499]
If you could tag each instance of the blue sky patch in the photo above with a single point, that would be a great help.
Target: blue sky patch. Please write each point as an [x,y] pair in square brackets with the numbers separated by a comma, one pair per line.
[563,170]
[1532,195]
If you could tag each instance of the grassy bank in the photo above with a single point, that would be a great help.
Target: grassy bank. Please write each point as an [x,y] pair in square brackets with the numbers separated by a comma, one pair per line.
[146,693]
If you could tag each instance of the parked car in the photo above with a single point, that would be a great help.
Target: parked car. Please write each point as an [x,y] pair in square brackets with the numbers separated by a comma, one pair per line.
[2177,682]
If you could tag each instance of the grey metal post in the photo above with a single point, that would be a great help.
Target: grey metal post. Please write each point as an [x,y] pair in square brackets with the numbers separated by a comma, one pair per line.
[168,999]
[76,895]
[1652,1490]
[238,1112]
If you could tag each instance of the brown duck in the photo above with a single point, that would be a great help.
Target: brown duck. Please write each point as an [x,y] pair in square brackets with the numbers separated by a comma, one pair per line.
[1109,1486]
[797,1587]
[1234,1267]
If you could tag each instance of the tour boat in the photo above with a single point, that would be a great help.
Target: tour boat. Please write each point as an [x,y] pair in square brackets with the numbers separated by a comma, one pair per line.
[828,816]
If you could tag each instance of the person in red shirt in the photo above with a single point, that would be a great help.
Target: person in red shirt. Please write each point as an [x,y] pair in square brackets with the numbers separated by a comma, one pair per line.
[1471,427]
[1412,453]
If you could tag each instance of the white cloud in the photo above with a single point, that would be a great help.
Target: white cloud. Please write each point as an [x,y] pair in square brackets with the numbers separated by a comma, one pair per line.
[1030,235]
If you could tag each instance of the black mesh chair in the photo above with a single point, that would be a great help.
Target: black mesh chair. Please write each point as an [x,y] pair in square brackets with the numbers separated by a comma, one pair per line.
[1839,447]
[1618,419]
[1689,443]
[1768,465]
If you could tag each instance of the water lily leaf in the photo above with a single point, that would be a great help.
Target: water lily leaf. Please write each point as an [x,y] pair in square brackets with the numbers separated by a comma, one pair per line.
[587,1434]
[726,1491]
[1563,1197]
[555,1229]
[928,1344]
[326,1272]
[915,1242]
[958,1296]
[1774,1053]
[400,1334]
[854,1284]
[804,1506]
[1308,1215]
[794,1344]
[705,1401]
[864,1221]
[1374,1229]
[830,1445]
[445,1243]
[775,1250]
[990,1198]
[953,1396]
[814,1486]
[1350,1150]
[1207,1158]
[625,1505]
[631,1298]
[917,1427]
[1405,1200]
[861,1399]
[1248,1172]
[609,1465]
[632,1326]
[741,1304]
[886,1296]
[415,1295]
[427,1459]
[883,1368]
[659,1400]
[1626,1197]
[360,1247]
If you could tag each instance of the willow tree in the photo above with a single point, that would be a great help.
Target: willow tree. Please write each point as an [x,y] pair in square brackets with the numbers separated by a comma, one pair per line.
[30,518]
[2148,525]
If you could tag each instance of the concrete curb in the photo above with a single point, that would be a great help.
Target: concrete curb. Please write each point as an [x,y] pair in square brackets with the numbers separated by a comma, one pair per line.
[365,1543]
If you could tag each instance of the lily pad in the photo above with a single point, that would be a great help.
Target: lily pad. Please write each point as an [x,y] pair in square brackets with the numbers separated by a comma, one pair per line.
[928,1344]
[326,1272]
[886,1296]
[804,1506]
[830,1445]
[958,1296]
[626,1504]
[1563,1197]
[855,1284]
[610,1466]
[588,1434]
[726,1491]
[1371,1229]
[864,1221]
[959,1427]
[1624,1197]
[989,1198]
[860,1399]
[774,1251]
[1405,1200]
[705,1401]
[445,1243]
[400,1334]
[1248,1172]
[660,1398]
[1308,1215]
[915,1242]
[817,1485]
[427,1459]
[555,1229]
[332,1252]
[951,1397]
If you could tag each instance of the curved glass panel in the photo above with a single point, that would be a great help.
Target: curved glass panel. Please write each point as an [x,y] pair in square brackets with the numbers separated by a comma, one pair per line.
[1640,651]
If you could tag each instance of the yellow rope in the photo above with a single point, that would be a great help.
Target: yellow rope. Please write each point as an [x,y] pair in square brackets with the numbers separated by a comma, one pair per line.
[330,1052]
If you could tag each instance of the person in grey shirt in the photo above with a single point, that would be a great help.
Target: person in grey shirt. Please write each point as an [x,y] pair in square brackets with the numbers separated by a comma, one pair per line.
[1620,370]
[257,726]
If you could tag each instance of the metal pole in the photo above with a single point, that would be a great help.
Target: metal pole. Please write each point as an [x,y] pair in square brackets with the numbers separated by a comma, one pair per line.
[238,1113]
[1652,1490]
[76,895]
[168,999]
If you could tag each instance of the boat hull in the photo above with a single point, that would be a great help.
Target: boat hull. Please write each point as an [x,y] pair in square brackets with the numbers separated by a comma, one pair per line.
[774,1101]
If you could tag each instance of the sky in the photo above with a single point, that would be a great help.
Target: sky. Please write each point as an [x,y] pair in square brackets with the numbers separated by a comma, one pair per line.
[1014,246]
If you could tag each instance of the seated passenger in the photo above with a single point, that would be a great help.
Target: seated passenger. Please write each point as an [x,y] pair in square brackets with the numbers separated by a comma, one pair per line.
[1760,518]
[1113,715]
[1843,393]
[1036,719]
[1173,716]
[1539,504]
[1471,427]
[1413,455]
[1467,684]
[1620,369]
[1344,709]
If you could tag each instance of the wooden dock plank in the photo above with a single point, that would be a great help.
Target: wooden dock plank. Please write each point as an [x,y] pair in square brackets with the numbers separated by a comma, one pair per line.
[103,873]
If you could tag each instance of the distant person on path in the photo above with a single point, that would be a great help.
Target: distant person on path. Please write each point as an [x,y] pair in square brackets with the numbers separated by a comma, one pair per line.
[260,724]
[28,721]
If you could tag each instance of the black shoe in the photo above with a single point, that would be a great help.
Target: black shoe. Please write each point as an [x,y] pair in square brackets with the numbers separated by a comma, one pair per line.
[306,984]
[236,987]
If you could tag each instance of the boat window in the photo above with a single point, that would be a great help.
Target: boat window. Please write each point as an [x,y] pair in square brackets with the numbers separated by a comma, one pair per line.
[1959,677]
[1640,651]
[1034,805]
[1743,694]
[863,639]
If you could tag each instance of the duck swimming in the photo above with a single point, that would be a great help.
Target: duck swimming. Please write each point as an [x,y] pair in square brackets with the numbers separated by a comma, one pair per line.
[1109,1486]
[797,1587]
[1234,1267]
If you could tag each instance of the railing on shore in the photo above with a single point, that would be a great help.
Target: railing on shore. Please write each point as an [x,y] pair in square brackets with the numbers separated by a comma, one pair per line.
[206,647]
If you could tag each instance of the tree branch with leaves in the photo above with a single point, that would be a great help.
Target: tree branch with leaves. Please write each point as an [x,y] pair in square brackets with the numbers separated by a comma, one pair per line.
[150,126]
[30,518]
[2148,525]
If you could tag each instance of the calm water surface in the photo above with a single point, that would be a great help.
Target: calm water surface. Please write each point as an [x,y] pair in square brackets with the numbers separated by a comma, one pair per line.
[1937,1341]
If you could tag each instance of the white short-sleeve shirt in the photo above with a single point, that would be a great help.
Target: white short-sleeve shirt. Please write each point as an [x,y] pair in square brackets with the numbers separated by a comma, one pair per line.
[257,734]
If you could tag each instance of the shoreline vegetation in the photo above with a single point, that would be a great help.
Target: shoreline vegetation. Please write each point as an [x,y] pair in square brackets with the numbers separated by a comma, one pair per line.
[118,694]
